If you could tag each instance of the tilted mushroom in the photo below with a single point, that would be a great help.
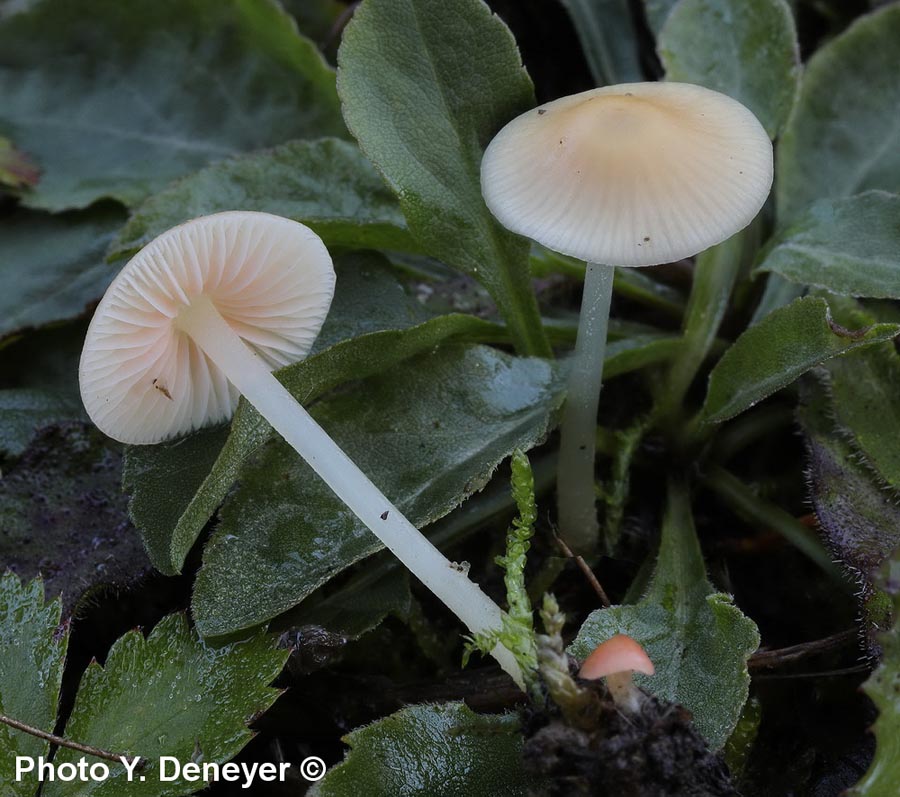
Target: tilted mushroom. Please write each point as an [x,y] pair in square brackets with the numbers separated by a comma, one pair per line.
[200,316]
[616,660]
[629,175]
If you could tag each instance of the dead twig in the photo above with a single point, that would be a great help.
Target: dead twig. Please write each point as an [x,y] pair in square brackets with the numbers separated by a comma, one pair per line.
[770,659]
[96,752]
[588,573]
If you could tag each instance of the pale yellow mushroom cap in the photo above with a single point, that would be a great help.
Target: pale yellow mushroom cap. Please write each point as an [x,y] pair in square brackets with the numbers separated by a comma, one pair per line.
[630,175]
[142,379]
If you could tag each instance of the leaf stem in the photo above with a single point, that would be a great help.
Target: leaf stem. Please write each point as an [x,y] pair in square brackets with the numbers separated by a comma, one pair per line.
[715,274]
[96,752]
[745,503]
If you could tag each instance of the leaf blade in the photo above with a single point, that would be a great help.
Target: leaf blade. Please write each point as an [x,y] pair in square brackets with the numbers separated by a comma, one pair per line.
[32,654]
[131,98]
[784,345]
[697,638]
[428,432]
[431,750]
[168,694]
[839,140]
[607,37]
[324,183]
[423,110]
[746,49]
[849,246]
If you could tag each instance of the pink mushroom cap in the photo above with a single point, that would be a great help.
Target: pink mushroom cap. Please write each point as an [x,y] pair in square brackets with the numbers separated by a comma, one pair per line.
[617,654]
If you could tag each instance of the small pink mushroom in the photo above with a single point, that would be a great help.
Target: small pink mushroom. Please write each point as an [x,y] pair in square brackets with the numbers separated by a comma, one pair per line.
[617,659]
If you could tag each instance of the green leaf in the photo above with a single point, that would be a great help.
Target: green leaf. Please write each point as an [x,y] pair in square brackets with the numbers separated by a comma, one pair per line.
[326,184]
[32,653]
[715,274]
[63,514]
[116,100]
[423,109]
[52,267]
[843,136]
[608,39]
[864,388]
[168,695]
[746,49]
[10,7]
[748,504]
[640,351]
[698,640]
[657,12]
[782,347]
[883,687]
[858,517]
[381,586]
[429,432]
[359,605]
[849,246]
[372,326]
[439,750]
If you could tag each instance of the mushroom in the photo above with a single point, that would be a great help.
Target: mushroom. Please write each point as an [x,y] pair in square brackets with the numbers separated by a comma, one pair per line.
[201,316]
[630,175]
[617,659]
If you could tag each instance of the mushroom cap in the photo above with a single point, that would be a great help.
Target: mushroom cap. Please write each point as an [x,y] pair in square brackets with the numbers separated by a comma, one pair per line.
[619,653]
[630,175]
[142,379]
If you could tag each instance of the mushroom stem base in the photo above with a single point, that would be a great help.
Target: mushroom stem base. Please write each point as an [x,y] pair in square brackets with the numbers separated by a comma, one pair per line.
[623,691]
[247,372]
[575,489]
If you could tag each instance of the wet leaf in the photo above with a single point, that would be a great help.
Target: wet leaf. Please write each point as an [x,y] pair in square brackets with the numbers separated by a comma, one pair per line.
[843,136]
[698,640]
[429,432]
[423,110]
[437,750]
[746,49]
[52,268]
[32,653]
[326,184]
[849,246]
[607,37]
[168,694]
[782,347]
[62,514]
[116,100]
[359,605]
[176,487]
[864,388]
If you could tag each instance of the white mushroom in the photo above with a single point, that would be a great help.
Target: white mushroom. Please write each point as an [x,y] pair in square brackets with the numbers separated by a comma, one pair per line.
[630,175]
[200,316]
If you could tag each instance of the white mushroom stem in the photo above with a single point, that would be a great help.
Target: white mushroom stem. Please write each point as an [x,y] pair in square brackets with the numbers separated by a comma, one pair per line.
[575,480]
[244,369]
[623,691]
